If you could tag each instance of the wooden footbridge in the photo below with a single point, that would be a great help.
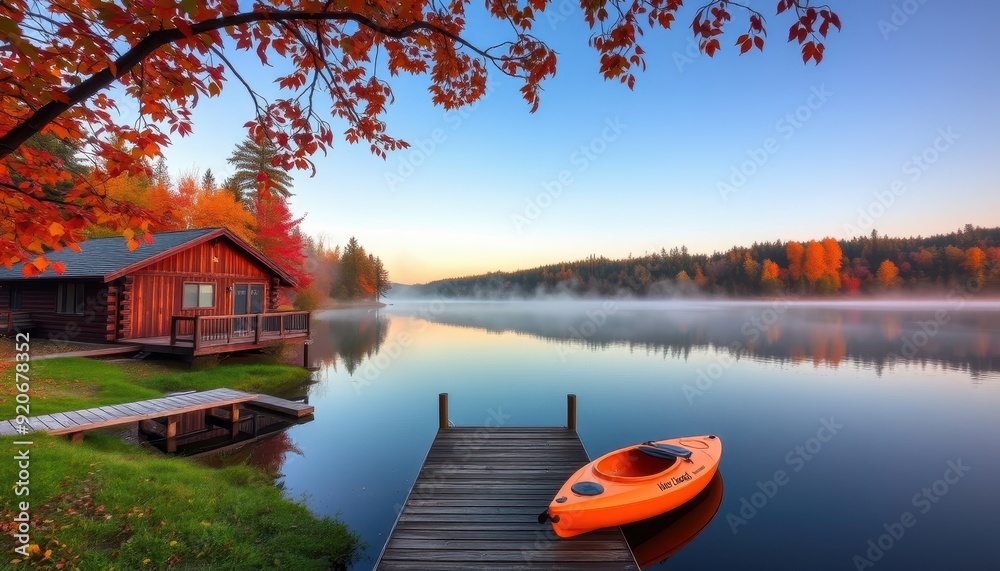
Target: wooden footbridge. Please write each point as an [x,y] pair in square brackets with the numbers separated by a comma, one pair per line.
[221,405]
[477,497]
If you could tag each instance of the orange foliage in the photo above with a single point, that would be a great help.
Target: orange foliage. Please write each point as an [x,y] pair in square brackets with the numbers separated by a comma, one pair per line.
[834,258]
[67,64]
[770,274]
[887,273]
[796,258]
[975,259]
[815,262]
[219,208]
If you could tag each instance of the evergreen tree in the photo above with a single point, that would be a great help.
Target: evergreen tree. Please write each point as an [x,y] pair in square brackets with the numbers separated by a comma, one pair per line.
[382,285]
[208,183]
[253,162]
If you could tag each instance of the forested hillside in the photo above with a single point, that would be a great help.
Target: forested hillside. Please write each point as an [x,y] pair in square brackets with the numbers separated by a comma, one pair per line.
[969,257]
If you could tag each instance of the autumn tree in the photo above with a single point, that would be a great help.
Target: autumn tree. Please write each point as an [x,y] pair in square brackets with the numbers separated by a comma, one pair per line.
[796,253]
[887,273]
[975,259]
[814,266]
[770,276]
[218,208]
[69,64]
[834,258]
[278,236]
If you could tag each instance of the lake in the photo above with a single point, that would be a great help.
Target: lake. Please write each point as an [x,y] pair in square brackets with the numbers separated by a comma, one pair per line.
[856,435]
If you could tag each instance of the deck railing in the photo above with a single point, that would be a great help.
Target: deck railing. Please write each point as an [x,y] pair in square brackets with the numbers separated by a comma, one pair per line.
[246,328]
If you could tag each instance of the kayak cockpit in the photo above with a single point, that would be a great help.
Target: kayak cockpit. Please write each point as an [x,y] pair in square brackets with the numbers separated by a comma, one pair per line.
[631,464]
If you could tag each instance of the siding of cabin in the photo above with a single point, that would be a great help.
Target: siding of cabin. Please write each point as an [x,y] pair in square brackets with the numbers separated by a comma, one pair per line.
[156,291]
[39,299]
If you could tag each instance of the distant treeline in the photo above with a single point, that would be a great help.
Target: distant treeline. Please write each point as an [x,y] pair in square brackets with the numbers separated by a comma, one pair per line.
[351,274]
[969,257]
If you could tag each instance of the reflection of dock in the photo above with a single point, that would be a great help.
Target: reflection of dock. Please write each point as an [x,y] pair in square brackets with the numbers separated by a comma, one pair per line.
[173,418]
[476,500]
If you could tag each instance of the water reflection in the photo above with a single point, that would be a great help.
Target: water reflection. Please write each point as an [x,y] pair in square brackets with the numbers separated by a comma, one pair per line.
[875,335]
[654,540]
[349,336]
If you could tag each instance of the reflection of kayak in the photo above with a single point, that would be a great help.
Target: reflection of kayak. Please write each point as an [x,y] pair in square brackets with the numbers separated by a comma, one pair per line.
[654,540]
[634,483]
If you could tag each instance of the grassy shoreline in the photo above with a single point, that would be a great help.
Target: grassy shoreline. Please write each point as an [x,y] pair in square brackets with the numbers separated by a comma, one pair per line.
[107,504]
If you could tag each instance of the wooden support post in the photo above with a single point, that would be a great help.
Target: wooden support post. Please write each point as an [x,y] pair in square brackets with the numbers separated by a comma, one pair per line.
[571,411]
[443,411]
[172,432]
[173,330]
[197,333]
[234,419]
[256,329]
[76,437]
[305,353]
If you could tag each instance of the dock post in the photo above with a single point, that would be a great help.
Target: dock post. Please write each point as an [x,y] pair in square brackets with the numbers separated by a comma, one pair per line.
[234,420]
[571,411]
[305,353]
[171,433]
[443,411]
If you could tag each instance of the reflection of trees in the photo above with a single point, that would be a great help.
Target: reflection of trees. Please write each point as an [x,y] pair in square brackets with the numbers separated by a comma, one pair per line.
[268,454]
[939,335]
[350,335]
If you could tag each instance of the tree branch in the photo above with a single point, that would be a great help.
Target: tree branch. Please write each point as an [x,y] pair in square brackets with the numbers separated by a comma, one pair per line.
[14,138]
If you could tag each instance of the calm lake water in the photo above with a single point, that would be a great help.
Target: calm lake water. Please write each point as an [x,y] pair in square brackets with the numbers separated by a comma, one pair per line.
[856,435]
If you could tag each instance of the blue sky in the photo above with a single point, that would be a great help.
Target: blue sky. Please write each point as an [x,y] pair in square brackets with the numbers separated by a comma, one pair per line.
[705,152]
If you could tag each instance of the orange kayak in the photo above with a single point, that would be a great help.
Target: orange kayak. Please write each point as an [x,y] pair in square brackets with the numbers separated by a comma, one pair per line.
[634,483]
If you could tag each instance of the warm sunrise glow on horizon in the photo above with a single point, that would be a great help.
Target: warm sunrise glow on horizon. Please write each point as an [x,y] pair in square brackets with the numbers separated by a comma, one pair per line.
[895,130]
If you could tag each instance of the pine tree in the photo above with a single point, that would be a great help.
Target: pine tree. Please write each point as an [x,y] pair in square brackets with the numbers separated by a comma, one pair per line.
[252,161]
[208,183]
[382,285]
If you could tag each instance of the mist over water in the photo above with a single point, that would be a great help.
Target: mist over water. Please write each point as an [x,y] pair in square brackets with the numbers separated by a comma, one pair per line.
[959,333]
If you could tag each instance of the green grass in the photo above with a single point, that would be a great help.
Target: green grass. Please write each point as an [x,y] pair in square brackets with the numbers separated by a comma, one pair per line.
[106,504]
[59,385]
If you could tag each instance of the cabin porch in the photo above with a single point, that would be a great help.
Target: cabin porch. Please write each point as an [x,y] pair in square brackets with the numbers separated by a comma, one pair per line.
[197,335]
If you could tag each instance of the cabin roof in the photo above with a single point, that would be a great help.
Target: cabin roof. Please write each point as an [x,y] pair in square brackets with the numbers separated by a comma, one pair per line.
[109,258]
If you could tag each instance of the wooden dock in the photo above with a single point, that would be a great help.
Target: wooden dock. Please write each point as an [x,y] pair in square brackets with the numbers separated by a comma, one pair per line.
[477,497]
[171,408]
[291,408]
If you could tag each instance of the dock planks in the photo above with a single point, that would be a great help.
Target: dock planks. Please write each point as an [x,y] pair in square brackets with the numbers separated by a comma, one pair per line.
[76,421]
[283,406]
[476,499]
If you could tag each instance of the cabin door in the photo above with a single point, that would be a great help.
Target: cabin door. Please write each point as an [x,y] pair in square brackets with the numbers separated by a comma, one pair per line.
[247,299]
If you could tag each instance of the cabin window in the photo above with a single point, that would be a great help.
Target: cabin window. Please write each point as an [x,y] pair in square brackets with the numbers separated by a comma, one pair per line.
[70,299]
[199,295]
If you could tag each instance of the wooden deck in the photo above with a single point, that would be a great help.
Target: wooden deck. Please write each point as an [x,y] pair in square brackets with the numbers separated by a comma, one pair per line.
[291,408]
[171,408]
[476,500]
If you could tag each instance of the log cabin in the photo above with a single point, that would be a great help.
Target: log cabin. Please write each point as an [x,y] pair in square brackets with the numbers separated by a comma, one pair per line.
[190,292]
